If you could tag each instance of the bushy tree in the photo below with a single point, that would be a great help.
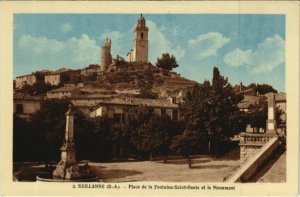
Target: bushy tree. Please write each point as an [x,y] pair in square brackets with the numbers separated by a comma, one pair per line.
[28,144]
[187,144]
[147,93]
[38,88]
[149,134]
[120,62]
[258,114]
[50,123]
[262,89]
[212,111]
[167,62]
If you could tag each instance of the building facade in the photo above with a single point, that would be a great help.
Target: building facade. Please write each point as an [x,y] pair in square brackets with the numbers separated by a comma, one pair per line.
[67,91]
[62,76]
[118,108]
[25,105]
[21,81]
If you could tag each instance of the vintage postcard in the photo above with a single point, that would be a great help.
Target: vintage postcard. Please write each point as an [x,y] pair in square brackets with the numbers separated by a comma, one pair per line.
[149,98]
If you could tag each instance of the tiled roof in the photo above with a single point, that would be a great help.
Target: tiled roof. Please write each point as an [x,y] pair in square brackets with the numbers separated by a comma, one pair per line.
[60,71]
[139,101]
[68,88]
[92,96]
[32,74]
[248,100]
[23,96]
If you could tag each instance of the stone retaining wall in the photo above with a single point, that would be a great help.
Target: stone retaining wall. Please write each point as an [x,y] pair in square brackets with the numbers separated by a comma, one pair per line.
[252,165]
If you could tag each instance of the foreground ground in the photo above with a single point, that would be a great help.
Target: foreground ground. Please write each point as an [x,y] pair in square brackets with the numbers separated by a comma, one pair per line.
[203,170]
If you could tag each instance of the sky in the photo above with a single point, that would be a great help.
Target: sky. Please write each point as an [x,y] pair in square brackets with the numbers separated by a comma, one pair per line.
[247,48]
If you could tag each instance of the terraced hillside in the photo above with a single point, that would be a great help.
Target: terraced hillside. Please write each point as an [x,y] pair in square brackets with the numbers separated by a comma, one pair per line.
[146,76]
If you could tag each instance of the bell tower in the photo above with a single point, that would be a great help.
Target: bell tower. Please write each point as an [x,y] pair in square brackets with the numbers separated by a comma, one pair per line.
[141,41]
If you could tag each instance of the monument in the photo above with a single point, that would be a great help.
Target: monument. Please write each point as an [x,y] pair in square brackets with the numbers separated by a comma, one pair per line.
[67,168]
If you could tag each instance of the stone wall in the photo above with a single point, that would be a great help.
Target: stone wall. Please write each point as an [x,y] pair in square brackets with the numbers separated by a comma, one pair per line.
[247,152]
[25,80]
[254,163]
[52,79]
[250,144]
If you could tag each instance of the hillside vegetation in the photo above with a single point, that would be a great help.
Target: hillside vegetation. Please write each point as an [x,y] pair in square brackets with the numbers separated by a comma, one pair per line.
[141,76]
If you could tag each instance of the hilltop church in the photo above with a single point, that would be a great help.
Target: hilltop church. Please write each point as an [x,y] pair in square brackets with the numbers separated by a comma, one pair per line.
[139,53]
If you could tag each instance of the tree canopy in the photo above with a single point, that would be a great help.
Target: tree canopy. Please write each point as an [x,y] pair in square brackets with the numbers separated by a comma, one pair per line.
[167,62]
[262,88]
[258,114]
[212,111]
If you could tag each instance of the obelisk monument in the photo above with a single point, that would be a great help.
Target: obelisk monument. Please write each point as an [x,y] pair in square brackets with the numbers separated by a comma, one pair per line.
[67,167]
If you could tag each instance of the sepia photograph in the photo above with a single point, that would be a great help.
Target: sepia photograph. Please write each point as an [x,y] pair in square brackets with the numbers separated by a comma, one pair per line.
[164,99]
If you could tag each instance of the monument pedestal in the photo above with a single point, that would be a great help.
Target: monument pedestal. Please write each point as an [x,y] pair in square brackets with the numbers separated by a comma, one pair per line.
[67,168]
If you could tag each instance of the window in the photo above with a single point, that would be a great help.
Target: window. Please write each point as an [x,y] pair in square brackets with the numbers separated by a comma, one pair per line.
[142,35]
[152,111]
[175,114]
[118,117]
[19,109]
[163,112]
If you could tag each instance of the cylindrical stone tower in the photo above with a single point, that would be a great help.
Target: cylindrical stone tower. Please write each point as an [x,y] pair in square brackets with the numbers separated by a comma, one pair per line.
[106,58]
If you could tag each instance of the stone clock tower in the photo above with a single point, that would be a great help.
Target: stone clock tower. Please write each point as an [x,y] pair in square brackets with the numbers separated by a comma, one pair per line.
[141,41]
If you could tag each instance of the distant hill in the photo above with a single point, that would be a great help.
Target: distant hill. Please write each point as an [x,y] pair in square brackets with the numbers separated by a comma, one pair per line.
[134,77]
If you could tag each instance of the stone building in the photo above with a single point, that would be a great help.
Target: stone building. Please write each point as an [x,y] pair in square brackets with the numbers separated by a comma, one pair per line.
[67,91]
[25,80]
[140,51]
[247,101]
[241,89]
[25,105]
[62,76]
[106,58]
[30,79]
[117,108]
[91,69]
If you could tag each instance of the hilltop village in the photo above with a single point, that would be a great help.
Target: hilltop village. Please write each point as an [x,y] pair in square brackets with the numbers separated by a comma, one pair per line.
[113,85]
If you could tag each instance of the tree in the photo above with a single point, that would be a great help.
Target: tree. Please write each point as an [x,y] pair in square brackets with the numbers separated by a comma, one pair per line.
[147,93]
[148,134]
[38,88]
[262,88]
[120,133]
[258,114]
[27,143]
[49,122]
[167,62]
[212,111]
[187,144]
[120,62]
[136,119]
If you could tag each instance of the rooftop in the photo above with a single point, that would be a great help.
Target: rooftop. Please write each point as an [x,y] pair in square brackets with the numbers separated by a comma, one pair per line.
[66,88]
[138,101]
[23,96]
[247,101]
